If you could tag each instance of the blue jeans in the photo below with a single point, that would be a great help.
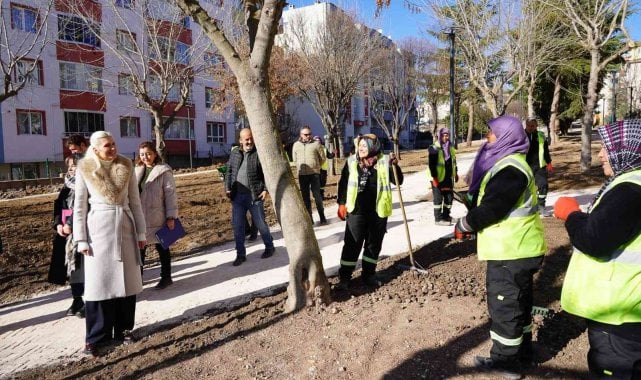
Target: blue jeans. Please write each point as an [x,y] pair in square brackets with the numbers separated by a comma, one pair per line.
[241,203]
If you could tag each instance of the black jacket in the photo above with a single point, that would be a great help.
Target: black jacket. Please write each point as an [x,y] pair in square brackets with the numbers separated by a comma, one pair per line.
[532,156]
[501,194]
[254,172]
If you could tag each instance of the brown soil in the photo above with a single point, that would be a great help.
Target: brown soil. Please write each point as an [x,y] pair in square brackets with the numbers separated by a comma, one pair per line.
[415,326]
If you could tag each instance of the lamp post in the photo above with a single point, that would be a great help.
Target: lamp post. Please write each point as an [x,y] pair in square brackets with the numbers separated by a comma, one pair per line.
[614,97]
[452,36]
[630,103]
[191,166]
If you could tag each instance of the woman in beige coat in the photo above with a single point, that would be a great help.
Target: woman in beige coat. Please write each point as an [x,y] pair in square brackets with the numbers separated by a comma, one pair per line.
[158,197]
[109,227]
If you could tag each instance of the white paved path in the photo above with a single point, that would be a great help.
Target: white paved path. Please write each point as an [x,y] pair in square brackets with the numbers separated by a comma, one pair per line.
[35,332]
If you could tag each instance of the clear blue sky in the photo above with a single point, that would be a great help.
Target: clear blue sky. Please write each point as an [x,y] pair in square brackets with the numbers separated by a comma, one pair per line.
[398,22]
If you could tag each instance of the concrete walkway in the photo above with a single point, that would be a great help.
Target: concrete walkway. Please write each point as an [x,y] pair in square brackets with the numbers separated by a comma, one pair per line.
[36,332]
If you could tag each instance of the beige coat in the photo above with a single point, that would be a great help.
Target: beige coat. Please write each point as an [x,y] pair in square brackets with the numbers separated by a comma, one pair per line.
[108,216]
[158,198]
[308,157]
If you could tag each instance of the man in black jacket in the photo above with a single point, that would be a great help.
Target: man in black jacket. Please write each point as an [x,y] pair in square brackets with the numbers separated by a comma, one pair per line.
[538,157]
[245,186]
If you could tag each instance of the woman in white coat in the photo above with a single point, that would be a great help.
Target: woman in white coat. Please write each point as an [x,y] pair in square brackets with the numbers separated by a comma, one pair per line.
[109,227]
[158,197]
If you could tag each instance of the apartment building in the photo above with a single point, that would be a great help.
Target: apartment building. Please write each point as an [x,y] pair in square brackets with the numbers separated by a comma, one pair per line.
[359,118]
[82,83]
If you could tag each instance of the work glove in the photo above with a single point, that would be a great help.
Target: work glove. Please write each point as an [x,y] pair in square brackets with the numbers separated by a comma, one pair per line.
[342,212]
[565,206]
[434,182]
[550,168]
[462,229]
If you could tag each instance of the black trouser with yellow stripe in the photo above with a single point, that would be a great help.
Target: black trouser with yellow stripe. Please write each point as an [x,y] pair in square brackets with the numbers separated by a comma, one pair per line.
[612,355]
[509,285]
[366,229]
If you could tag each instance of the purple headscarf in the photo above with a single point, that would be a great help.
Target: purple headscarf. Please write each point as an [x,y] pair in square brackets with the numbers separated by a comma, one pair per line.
[445,146]
[510,138]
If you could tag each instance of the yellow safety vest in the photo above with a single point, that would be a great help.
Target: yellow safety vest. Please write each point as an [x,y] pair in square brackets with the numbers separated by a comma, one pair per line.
[325,164]
[384,190]
[520,234]
[606,291]
[440,164]
[540,138]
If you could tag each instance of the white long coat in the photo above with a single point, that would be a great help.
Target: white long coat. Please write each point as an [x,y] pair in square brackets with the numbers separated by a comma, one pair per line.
[158,198]
[108,216]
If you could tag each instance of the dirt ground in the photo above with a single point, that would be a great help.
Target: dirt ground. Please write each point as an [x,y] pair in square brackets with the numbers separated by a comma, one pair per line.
[414,326]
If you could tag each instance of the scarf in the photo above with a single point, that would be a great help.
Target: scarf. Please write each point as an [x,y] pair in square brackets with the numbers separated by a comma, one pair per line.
[444,145]
[622,141]
[70,182]
[510,138]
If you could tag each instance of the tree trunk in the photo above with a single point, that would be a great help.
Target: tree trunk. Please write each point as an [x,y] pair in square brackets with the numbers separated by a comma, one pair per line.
[159,132]
[530,100]
[470,124]
[554,111]
[586,133]
[307,281]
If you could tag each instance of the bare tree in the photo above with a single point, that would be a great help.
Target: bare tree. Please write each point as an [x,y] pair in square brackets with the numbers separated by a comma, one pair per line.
[595,23]
[22,41]
[393,92]
[307,280]
[339,55]
[154,56]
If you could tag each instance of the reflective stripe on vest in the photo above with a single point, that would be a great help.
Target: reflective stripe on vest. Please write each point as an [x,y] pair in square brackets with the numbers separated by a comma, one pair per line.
[606,291]
[440,163]
[541,140]
[384,190]
[520,234]
[325,165]
[506,341]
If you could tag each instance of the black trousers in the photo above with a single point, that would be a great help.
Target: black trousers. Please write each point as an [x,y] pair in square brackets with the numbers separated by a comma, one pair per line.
[442,203]
[307,183]
[108,319]
[323,182]
[612,356]
[541,181]
[165,260]
[362,229]
[509,285]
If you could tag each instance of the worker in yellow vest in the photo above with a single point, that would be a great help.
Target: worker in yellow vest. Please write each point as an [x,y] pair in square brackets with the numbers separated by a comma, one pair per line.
[442,170]
[538,157]
[365,200]
[511,240]
[603,280]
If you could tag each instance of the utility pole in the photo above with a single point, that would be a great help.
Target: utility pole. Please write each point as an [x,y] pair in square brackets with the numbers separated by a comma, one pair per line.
[630,103]
[191,166]
[614,96]
[452,36]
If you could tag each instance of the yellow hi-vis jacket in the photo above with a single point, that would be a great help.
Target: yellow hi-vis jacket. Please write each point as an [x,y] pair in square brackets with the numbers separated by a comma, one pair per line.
[520,234]
[440,164]
[540,138]
[606,291]
[384,190]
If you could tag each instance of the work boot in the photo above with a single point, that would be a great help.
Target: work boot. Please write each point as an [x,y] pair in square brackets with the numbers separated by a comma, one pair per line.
[268,253]
[75,307]
[343,284]
[506,371]
[239,260]
[443,222]
[163,283]
[371,280]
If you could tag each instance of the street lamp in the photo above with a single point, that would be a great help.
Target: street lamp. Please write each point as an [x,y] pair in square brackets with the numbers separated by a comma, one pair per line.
[614,96]
[630,103]
[451,34]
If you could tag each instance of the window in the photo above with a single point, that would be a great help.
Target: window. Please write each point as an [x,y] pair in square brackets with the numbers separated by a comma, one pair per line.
[215,132]
[80,77]
[30,72]
[212,59]
[74,29]
[84,123]
[129,127]
[126,41]
[154,87]
[125,84]
[180,129]
[24,18]
[209,97]
[31,122]
[162,48]
[129,4]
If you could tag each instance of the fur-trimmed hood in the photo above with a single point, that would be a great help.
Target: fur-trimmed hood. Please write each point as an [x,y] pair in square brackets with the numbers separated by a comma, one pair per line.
[111,183]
